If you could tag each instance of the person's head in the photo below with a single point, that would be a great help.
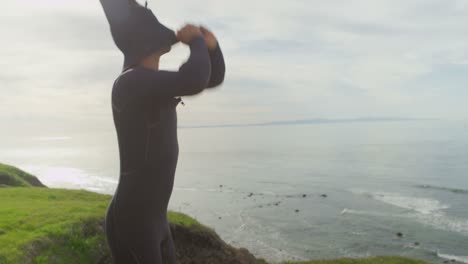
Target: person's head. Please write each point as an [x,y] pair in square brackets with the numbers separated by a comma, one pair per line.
[152,61]
[137,32]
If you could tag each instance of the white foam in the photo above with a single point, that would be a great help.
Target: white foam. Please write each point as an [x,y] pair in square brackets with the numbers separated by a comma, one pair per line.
[57,176]
[427,211]
[367,213]
[71,178]
[191,189]
[94,189]
[420,205]
[462,259]
[444,222]
[186,189]
[53,138]
[113,181]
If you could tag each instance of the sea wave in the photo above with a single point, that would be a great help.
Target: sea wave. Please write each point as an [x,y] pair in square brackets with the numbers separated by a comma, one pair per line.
[427,211]
[441,188]
[445,222]
[367,213]
[71,178]
[462,259]
[417,204]
[60,138]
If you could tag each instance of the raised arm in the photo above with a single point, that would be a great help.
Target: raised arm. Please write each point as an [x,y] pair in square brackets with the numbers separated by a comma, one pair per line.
[218,67]
[192,78]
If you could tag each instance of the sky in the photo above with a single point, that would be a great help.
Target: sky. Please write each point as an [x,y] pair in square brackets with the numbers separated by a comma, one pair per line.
[286,60]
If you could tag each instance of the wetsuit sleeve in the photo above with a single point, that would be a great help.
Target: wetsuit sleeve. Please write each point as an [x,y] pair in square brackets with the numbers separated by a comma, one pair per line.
[117,11]
[192,78]
[218,67]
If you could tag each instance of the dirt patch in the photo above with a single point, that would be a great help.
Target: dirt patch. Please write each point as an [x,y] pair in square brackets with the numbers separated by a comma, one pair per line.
[205,246]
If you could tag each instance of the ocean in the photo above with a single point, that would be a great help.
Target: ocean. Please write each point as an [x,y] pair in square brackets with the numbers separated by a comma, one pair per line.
[295,192]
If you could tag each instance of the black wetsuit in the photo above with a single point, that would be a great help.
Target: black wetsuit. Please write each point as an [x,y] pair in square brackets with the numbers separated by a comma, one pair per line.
[144,105]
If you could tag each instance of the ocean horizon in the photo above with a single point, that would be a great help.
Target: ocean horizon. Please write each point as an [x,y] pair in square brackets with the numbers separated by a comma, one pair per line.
[295,191]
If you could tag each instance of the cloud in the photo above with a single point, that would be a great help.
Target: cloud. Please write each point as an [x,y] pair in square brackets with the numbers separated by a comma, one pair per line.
[286,59]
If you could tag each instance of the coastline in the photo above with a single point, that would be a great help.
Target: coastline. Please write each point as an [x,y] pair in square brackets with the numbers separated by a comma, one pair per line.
[70,223]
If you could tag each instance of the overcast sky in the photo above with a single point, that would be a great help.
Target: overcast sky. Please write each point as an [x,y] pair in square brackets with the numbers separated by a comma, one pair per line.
[286,60]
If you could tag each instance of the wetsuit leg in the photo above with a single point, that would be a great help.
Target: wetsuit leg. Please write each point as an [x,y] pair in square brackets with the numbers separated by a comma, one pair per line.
[168,248]
[146,247]
[119,254]
[132,245]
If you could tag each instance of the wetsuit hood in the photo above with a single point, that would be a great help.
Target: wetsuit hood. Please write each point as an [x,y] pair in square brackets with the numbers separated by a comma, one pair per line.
[136,31]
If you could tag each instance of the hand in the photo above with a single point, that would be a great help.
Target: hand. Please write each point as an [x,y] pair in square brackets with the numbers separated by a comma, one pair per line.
[188,32]
[210,39]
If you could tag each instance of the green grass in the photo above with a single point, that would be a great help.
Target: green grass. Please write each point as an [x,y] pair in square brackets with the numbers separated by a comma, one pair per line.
[185,220]
[11,176]
[32,218]
[375,260]
[60,226]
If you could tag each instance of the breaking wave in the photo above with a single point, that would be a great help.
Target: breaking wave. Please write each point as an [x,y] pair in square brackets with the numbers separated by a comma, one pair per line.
[462,259]
[427,211]
[440,188]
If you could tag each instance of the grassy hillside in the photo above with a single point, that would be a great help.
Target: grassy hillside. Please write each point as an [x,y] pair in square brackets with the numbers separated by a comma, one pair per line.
[41,225]
[56,226]
[11,176]
[38,223]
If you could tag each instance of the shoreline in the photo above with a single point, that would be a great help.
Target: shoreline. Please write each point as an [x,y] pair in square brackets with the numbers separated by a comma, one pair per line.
[100,208]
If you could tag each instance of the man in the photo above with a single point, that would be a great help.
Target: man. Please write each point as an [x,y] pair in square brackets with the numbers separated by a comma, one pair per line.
[144,101]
